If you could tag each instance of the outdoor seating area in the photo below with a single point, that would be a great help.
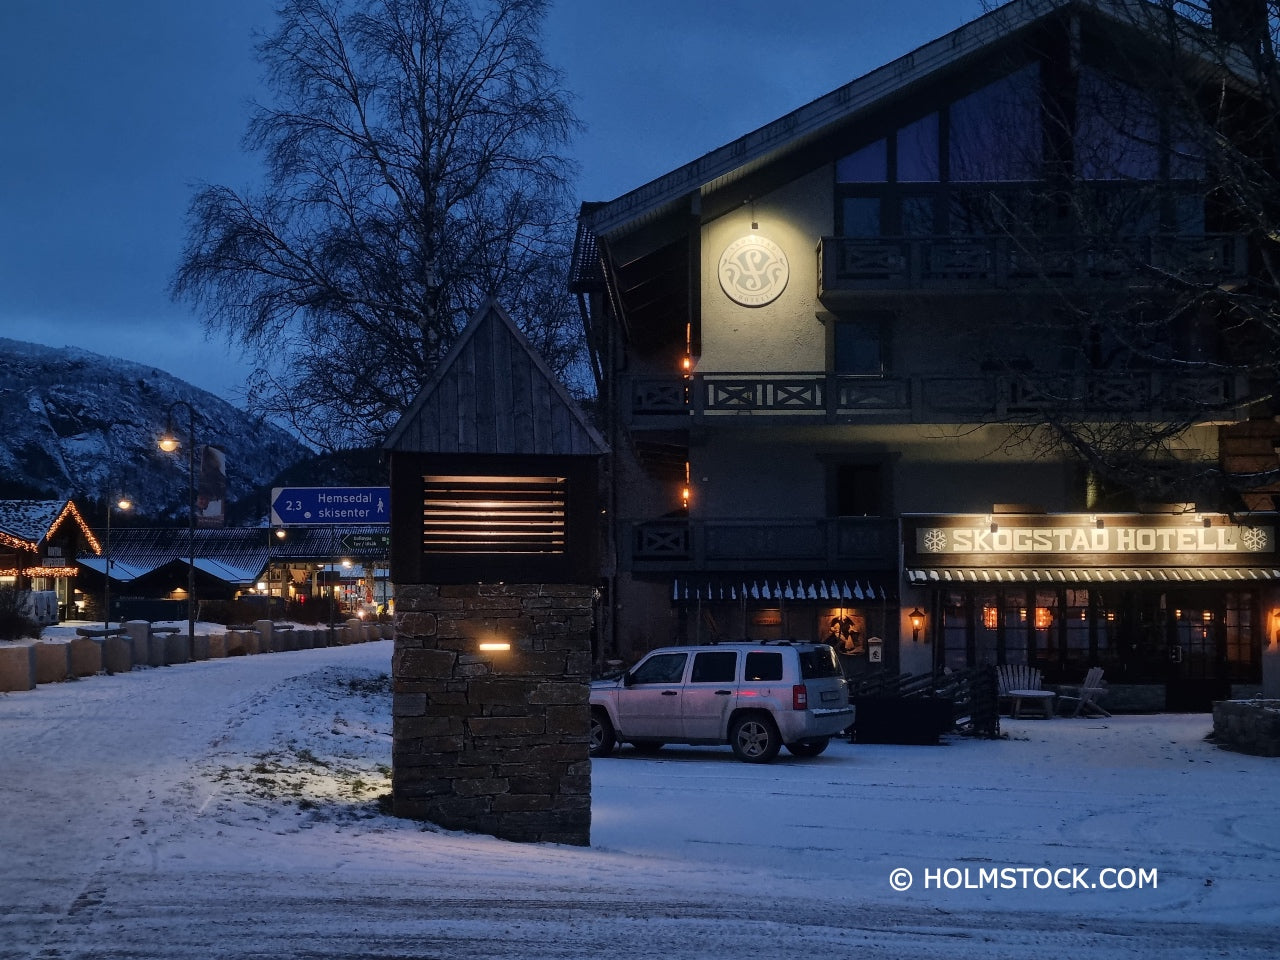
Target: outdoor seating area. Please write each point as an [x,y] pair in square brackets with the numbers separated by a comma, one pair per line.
[1020,685]
[1085,696]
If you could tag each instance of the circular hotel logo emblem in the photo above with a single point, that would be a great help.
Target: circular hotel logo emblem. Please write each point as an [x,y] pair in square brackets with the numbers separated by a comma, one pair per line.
[753,271]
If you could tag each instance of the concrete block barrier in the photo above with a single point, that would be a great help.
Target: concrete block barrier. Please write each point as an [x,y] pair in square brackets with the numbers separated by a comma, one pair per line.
[266,638]
[117,654]
[86,657]
[53,662]
[17,666]
[177,647]
[217,646]
[138,632]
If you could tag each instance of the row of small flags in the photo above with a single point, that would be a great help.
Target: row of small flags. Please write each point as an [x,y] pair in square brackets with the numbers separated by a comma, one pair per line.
[819,590]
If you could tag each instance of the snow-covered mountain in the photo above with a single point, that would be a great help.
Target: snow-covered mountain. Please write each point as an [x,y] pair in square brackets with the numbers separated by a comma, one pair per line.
[81,425]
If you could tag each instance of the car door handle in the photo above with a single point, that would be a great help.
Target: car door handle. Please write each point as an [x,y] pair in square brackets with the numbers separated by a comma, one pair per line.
[723,693]
[668,693]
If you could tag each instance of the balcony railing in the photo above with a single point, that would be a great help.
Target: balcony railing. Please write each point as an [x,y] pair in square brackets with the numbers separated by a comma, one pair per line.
[674,545]
[662,401]
[981,264]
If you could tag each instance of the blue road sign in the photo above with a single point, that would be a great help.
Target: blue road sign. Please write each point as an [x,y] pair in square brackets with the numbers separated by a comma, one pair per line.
[305,506]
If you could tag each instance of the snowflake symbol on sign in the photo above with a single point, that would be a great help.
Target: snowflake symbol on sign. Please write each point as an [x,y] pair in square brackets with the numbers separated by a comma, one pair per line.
[1254,539]
[935,541]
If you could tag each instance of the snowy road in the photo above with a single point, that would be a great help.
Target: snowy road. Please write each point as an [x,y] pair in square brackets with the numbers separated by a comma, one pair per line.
[229,809]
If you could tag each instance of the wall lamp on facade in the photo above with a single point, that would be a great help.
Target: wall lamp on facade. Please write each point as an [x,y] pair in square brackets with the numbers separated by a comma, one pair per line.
[1275,628]
[495,646]
[916,616]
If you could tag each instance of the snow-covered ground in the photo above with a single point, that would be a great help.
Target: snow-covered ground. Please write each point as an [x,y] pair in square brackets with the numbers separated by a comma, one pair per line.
[231,808]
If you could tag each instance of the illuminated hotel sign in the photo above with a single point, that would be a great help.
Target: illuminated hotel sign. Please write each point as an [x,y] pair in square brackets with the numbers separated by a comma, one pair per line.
[980,539]
[753,271]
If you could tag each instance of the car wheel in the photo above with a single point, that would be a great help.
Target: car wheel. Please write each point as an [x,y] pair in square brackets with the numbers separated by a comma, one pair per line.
[603,739]
[754,738]
[808,748]
[648,747]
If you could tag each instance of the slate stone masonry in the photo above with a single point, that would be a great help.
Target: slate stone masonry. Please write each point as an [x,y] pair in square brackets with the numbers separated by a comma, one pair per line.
[493,742]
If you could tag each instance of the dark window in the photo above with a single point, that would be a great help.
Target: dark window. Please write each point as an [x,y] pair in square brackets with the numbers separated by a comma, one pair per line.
[919,217]
[918,151]
[858,490]
[716,667]
[868,165]
[661,668]
[996,133]
[857,348]
[860,217]
[1117,130]
[763,667]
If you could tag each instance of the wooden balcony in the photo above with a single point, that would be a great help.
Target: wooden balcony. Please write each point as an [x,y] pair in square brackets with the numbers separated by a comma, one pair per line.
[756,544]
[954,265]
[758,398]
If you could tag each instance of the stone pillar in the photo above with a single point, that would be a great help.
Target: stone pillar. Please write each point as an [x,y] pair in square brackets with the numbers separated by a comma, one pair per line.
[493,741]
[17,666]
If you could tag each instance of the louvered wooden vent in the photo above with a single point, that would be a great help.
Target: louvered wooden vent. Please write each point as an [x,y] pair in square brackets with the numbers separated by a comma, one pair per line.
[493,515]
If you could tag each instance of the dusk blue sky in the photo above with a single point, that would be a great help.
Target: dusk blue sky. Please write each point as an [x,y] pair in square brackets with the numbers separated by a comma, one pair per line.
[112,112]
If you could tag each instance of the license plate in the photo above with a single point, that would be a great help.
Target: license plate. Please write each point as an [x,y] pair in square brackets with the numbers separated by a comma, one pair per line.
[829,696]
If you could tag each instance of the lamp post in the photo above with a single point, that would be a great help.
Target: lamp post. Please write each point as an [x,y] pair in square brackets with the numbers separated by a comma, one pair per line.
[121,503]
[169,443]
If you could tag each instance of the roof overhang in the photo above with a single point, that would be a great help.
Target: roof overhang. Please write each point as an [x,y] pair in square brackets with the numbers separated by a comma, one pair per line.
[1052,576]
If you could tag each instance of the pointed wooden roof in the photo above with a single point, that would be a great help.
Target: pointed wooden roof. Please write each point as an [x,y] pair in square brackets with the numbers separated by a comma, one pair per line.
[25,524]
[494,394]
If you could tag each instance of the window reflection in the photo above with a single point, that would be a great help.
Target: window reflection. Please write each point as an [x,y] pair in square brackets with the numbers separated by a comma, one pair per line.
[996,131]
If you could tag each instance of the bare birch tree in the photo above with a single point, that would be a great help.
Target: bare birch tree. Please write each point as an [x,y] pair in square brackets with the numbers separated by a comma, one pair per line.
[1154,228]
[414,160]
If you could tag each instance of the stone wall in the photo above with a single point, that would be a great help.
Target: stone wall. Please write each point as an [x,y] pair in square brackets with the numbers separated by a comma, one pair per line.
[1248,726]
[493,741]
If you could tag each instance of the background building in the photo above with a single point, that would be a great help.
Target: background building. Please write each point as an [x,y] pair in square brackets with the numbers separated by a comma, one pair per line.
[986,280]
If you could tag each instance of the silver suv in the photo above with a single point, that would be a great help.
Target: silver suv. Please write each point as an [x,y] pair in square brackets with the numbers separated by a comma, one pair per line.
[756,697]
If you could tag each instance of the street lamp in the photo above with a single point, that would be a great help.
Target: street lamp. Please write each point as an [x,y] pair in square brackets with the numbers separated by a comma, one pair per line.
[121,503]
[169,443]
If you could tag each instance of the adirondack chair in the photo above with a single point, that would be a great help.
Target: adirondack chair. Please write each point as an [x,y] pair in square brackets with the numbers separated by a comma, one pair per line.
[1020,684]
[1086,695]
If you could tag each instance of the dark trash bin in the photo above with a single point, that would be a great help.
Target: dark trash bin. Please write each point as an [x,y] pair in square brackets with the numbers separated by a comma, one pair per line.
[902,720]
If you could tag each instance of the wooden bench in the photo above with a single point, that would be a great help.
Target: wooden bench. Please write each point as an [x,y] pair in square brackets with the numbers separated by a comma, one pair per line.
[1021,684]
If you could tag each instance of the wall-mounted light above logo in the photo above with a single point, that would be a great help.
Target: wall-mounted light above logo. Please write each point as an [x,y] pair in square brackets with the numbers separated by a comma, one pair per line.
[753,271]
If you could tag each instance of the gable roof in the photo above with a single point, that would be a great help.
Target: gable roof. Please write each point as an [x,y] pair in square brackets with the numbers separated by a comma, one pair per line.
[25,524]
[830,113]
[494,394]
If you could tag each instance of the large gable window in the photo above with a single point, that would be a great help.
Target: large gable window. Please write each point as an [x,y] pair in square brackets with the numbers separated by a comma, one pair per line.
[870,164]
[996,132]
[898,185]
[918,151]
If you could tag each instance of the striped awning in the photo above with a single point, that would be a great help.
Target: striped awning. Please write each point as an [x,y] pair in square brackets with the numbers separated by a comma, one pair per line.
[935,576]
[730,588]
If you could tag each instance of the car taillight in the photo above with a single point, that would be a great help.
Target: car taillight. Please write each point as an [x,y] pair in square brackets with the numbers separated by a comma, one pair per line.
[799,697]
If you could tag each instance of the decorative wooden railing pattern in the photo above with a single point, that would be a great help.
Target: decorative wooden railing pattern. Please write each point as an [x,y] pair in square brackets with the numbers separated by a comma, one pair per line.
[924,399]
[848,264]
[760,544]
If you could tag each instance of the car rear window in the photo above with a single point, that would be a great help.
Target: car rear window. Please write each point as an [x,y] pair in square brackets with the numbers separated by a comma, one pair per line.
[819,662]
[763,667]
